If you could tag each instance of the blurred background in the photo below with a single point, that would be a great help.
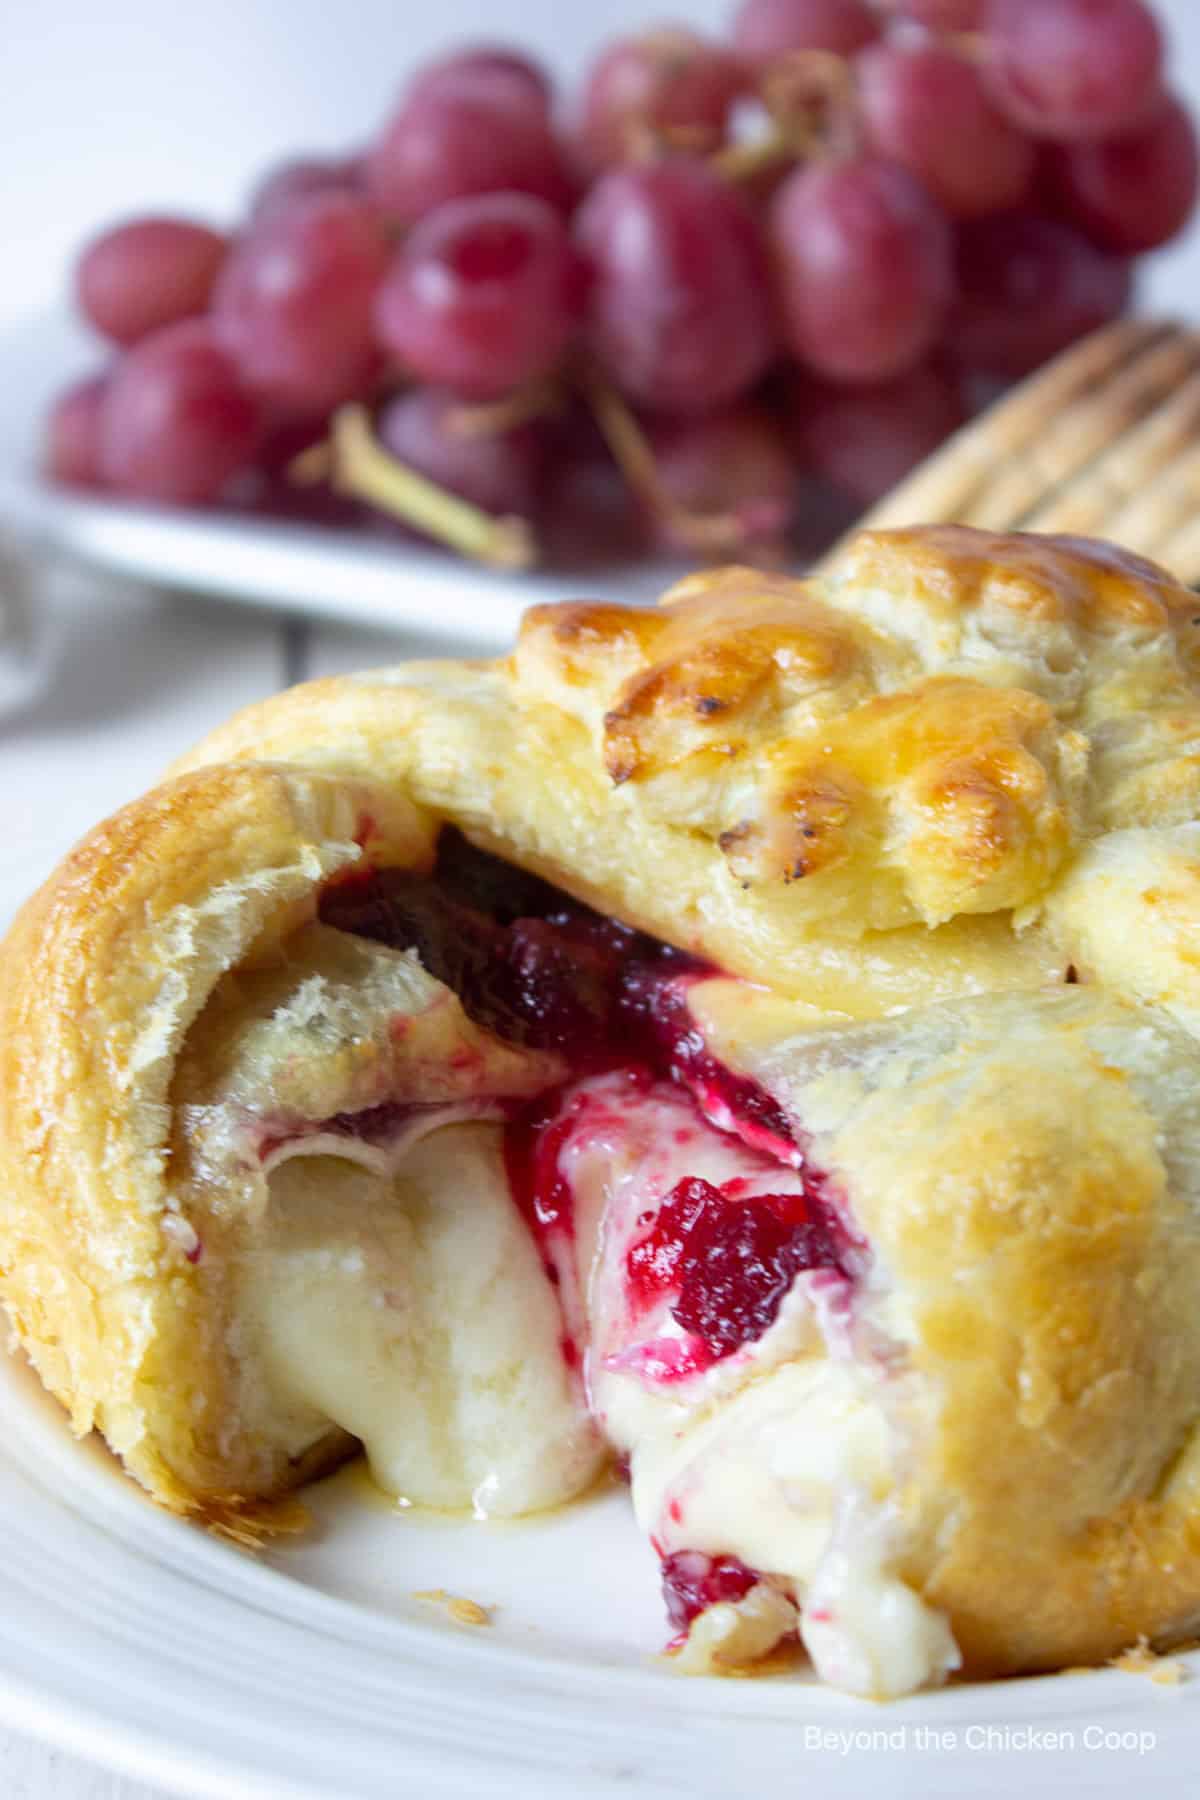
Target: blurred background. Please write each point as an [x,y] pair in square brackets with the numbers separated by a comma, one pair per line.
[134,106]
[131,105]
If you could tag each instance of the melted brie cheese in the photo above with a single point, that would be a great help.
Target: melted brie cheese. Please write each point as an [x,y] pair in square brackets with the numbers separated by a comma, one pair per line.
[625,1154]
[782,1454]
[865,1629]
[793,1476]
[410,1308]
[390,1287]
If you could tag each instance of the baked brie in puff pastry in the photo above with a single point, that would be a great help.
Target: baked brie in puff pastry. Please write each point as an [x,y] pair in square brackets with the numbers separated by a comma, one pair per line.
[751,1039]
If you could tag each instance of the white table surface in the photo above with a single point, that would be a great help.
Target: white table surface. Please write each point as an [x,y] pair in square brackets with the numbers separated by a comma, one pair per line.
[143,675]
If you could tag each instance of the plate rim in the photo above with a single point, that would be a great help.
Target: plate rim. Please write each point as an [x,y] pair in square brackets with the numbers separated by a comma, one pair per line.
[284,565]
[46,1478]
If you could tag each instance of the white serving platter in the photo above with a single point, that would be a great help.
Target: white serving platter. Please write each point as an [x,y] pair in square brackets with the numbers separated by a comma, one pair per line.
[330,573]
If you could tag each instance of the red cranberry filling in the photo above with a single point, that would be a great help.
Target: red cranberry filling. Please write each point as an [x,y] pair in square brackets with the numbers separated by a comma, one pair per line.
[527,962]
[533,1141]
[733,1260]
[541,969]
[657,1011]
[692,1582]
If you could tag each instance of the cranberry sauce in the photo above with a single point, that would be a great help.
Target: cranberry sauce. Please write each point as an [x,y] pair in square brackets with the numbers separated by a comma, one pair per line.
[533,1141]
[692,1582]
[527,962]
[731,1260]
[543,970]
[663,1025]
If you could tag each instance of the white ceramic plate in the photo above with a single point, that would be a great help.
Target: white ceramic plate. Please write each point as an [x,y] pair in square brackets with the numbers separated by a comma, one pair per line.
[315,1670]
[303,568]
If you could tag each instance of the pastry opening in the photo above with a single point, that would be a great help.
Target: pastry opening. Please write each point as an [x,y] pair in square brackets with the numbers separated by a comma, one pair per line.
[545,972]
[397,1296]
[542,970]
[689,1241]
[512,1216]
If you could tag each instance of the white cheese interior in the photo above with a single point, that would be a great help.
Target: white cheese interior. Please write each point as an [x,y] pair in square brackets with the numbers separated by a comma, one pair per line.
[408,1305]
[793,1476]
[393,1289]
[781,1454]
[865,1629]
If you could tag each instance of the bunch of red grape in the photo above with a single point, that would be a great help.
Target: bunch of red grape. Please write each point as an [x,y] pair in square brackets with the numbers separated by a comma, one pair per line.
[741,280]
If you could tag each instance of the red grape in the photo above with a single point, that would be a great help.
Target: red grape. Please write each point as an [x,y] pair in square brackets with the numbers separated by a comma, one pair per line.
[866,439]
[271,488]
[735,463]
[863,262]
[1074,69]
[765,29]
[489,72]
[670,84]
[678,309]
[1028,287]
[294,302]
[137,277]
[286,437]
[483,294]
[499,471]
[175,422]
[298,179]
[444,146]
[823,515]
[926,107]
[271,494]
[1130,193]
[590,515]
[938,15]
[72,448]
[966,176]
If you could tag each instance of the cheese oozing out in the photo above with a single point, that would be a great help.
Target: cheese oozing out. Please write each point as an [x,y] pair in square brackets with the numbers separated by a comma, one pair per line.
[400,1296]
[636,1257]
[780,1454]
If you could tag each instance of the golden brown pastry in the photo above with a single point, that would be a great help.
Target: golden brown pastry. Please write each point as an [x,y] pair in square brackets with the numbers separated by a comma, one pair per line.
[181,1044]
[825,1140]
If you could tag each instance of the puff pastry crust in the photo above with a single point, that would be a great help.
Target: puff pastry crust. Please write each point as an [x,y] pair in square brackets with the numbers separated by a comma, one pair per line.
[936,818]
[105,971]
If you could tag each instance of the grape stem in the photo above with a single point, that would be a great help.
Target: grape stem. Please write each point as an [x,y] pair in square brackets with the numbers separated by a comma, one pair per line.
[810,97]
[646,143]
[353,462]
[704,534]
[742,162]
[535,400]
